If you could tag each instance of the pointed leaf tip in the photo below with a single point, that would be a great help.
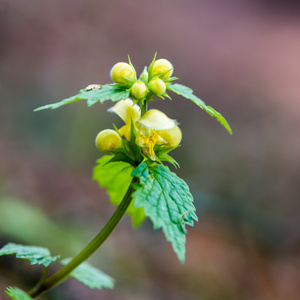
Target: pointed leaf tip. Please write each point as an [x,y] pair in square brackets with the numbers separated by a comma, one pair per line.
[187,93]
[167,201]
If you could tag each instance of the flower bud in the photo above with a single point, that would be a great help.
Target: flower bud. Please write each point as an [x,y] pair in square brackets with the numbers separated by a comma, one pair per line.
[161,66]
[139,90]
[108,139]
[121,70]
[172,137]
[157,86]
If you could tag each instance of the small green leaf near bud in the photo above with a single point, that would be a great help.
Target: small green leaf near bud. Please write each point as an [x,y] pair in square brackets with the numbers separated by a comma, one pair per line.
[139,90]
[157,86]
[108,139]
[161,66]
[121,70]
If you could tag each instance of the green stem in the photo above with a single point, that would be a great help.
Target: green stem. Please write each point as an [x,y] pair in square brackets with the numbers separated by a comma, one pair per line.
[144,107]
[43,278]
[90,248]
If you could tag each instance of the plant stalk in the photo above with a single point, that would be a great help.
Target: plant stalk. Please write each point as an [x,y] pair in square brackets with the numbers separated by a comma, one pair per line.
[89,249]
[144,107]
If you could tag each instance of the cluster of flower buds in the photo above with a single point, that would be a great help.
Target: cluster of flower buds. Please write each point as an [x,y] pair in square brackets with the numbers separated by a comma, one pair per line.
[151,129]
[152,81]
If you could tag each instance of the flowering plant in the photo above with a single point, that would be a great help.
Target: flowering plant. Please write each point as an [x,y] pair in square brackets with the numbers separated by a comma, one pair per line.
[132,170]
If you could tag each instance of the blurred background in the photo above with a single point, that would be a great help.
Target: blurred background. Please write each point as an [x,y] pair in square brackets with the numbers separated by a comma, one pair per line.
[241,57]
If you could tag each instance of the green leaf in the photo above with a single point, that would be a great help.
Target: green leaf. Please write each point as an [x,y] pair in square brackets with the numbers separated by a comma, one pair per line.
[90,276]
[116,178]
[167,201]
[36,255]
[151,67]
[131,65]
[161,154]
[188,93]
[17,294]
[106,92]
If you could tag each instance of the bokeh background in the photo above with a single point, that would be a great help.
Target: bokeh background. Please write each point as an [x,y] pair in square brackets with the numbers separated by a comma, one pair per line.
[242,57]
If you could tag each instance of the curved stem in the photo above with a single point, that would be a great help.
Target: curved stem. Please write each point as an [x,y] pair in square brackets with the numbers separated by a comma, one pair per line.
[90,248]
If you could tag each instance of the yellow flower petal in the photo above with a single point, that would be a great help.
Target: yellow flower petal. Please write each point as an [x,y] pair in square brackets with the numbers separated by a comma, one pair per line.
[126,111]
[172,137]
[125,131]
[155,119]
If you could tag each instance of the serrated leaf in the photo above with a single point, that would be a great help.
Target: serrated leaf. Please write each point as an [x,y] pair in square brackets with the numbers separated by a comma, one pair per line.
[106,92]
[36,255]
[17,294]
[90,276]
[188,93]
[116,178]
[167,201]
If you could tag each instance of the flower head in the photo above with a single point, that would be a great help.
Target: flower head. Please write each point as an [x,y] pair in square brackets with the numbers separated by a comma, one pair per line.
[154,127]
[149,125]
[121,71]
[161,66]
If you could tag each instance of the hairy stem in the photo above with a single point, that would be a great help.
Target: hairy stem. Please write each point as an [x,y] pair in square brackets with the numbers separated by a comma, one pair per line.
[89,249]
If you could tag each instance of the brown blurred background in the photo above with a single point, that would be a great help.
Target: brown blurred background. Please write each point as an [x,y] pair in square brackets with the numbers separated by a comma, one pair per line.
[240,57]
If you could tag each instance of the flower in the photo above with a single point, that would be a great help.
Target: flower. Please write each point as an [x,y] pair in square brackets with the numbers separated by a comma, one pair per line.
[154,127]
[161,66]
[121,71]
[149,125]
